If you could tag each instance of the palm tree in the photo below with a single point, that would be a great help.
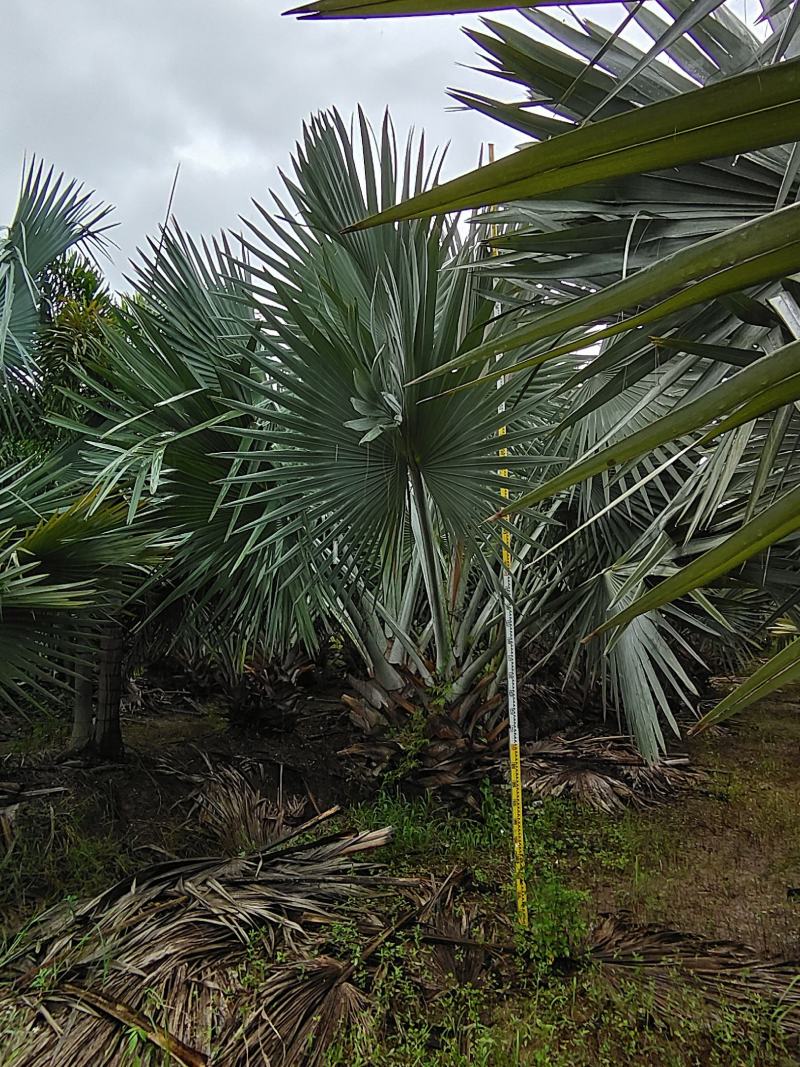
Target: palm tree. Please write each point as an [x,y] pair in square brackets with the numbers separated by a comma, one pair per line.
[67,569]
[337,484]
[682,275]
[76,307]
[52,217]
[67,562]
[264,396]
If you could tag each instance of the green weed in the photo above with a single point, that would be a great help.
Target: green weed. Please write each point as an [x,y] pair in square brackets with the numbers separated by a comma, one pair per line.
[57,854]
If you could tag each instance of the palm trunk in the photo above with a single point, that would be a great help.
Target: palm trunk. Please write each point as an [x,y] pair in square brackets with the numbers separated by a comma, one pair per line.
[82,711]
[107,741]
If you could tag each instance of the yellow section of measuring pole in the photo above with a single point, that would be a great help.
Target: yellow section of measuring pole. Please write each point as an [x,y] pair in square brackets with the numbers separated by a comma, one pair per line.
[511,679]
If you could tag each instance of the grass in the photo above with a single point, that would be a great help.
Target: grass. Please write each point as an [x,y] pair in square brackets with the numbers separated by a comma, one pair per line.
[59,852]
[720,862]
[562,1013]
[43,732]
[427,835]
[578,1021]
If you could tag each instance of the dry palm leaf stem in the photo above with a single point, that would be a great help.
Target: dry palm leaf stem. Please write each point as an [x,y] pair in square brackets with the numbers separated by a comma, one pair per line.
[123,1013]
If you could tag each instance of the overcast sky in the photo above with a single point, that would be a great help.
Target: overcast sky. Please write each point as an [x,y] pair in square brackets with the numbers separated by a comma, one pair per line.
[117,93]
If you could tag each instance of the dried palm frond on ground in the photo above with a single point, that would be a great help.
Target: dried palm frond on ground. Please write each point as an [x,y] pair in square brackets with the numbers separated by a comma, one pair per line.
[302,1006]
[604,773]
[171,944]
[239,815]
[233,803]
[460,951]
[12,795]
[723,973]
[451,759]
[295,1018]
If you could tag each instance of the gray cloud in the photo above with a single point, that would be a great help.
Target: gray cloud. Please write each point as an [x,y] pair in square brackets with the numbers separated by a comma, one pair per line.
[118,93]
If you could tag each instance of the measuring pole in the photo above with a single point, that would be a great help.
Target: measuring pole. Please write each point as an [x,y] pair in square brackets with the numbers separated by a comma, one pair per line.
[511,680]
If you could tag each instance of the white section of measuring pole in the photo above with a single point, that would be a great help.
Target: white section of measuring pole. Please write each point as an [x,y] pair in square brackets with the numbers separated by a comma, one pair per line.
[508,616]
[511,663]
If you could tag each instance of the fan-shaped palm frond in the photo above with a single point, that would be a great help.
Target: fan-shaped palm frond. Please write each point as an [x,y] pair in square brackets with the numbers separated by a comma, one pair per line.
[414,472]
[262,396]
[52,216]
[65,566]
